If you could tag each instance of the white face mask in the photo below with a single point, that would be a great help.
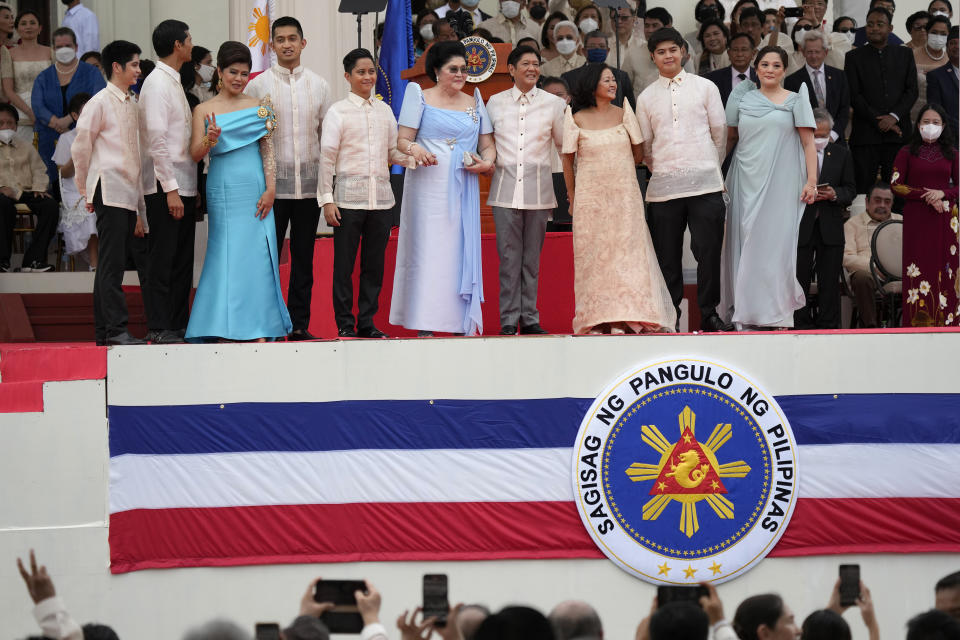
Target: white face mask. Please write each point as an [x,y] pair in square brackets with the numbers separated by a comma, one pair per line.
[942,13]
[206,72]
[798,37]
[936,41]
[510,9]
[6,135]
[426,31]
[931,132]
[469,4]
[851,36]
[821,143]
[588,24]
[566,47]
[65,55]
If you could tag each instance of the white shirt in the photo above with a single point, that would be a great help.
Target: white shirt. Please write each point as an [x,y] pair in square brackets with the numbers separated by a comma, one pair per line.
[527,127]
[509,31]
[560,65]
[301,99]
[358,145]
[685,135]
[107,149]
[84,23]
[61,156]
[55,620]
[166,137]
[818,77]
[445,9]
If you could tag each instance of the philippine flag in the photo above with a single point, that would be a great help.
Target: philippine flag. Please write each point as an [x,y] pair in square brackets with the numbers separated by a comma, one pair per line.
[262,14]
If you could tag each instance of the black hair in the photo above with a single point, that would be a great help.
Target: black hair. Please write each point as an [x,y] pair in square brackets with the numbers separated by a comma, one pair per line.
[546,28]
[522,42]
[545,80]
[741,34]
[659,13]
[750,12]
[825,625]
[233,52]
[935,19]
[515,623]
[873,2]
[916,140]
[119,51]
[483,33]
[797,26]
[166,36]
[417,38]
[755,611]
[713,23]
[146,68]
[951,581]
[721,12]
[198,53]
[440,53]
[579,622]
[188,76]
[26,12]
[665,34]
[351,59]
[519,51]
[836,23]
[740,3]
[6,107]
[880,185]
[954,32]
[584,90]
[91,54]
[679,620]
[583,9]
[64,31]
[882,12]
[77,102]
[286,21]
[768,49]
[933,625]
[826,3]
[946,2]
[94,631]
[913,17]
[773,12]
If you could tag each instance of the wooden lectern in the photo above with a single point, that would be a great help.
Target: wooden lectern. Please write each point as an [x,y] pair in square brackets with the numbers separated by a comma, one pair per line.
[499,81]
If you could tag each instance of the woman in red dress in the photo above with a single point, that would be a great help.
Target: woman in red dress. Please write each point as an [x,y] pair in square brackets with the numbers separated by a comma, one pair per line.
[925,174]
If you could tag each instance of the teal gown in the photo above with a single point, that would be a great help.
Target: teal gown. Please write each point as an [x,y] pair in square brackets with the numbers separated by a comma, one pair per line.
[239,295]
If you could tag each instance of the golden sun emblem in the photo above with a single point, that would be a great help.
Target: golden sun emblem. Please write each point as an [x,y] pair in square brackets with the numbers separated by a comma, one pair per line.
[687,472]
[259,30]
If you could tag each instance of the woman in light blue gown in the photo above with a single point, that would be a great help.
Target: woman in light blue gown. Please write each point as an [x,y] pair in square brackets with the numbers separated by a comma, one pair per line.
[772,177]
[238,297]
[438,284]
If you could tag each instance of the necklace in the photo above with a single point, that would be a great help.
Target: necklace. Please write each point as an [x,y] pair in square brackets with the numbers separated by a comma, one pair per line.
[68,71]
[943,52]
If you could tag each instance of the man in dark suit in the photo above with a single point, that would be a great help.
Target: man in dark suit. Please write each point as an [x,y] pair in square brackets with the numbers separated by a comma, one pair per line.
[820,244]
[826,86]
[741,51]
[942,84]
[597,42]
[883,88]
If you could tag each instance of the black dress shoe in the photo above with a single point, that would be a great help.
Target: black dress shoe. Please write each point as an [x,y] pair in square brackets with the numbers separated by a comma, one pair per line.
[167,337]
[123,339]
[508,330]
[347,333]
[713,323]
[298,335]
[534,330]
[372,332]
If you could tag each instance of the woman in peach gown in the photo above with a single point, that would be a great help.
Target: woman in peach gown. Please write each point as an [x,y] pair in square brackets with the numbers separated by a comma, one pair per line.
[617,281]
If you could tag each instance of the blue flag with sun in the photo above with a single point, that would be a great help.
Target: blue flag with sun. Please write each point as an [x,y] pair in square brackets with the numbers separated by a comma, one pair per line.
[396,53]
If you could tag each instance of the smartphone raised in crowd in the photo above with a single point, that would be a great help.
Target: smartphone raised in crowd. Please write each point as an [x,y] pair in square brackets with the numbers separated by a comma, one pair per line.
[267,631]
[667,594]
[849,584]
[793,12]
[435,602]
[344,617]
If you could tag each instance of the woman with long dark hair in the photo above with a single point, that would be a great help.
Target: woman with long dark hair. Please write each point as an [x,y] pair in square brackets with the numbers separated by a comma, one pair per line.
[925,174]
[765,616]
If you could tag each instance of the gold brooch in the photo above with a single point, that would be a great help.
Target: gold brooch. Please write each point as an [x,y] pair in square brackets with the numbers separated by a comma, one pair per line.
[263,112]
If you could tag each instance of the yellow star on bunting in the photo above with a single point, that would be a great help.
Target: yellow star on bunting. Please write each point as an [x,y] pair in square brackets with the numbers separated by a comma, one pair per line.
[689,571]
[715,567]
[664,569]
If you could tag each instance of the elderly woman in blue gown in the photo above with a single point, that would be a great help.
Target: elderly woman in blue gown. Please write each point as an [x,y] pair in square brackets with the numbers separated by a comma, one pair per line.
[772,177]
[438,285]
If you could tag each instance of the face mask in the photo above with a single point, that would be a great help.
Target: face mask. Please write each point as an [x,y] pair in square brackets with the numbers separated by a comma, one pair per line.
[6,135]
[65,55]
[470,4]
[851,36]
[510,9]
[538,11]
[798,37]
[596,55]
[426,31]
[941,13]
[566,47]
[206,72]
[821,143]
[936,41]
[931,132]
[588,25]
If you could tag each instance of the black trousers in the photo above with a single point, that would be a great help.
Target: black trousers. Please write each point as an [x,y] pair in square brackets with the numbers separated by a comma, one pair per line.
[869,159]
[48,214]
[373,228]
[826,260]
[170,276]
[705,215]
[115,228]
[562,221]
[303,216]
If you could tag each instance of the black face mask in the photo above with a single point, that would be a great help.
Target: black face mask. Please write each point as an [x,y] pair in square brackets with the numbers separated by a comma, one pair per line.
[538,11]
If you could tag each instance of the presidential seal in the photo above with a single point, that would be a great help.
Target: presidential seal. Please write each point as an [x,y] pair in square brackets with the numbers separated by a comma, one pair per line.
[481,58]
[685,471]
